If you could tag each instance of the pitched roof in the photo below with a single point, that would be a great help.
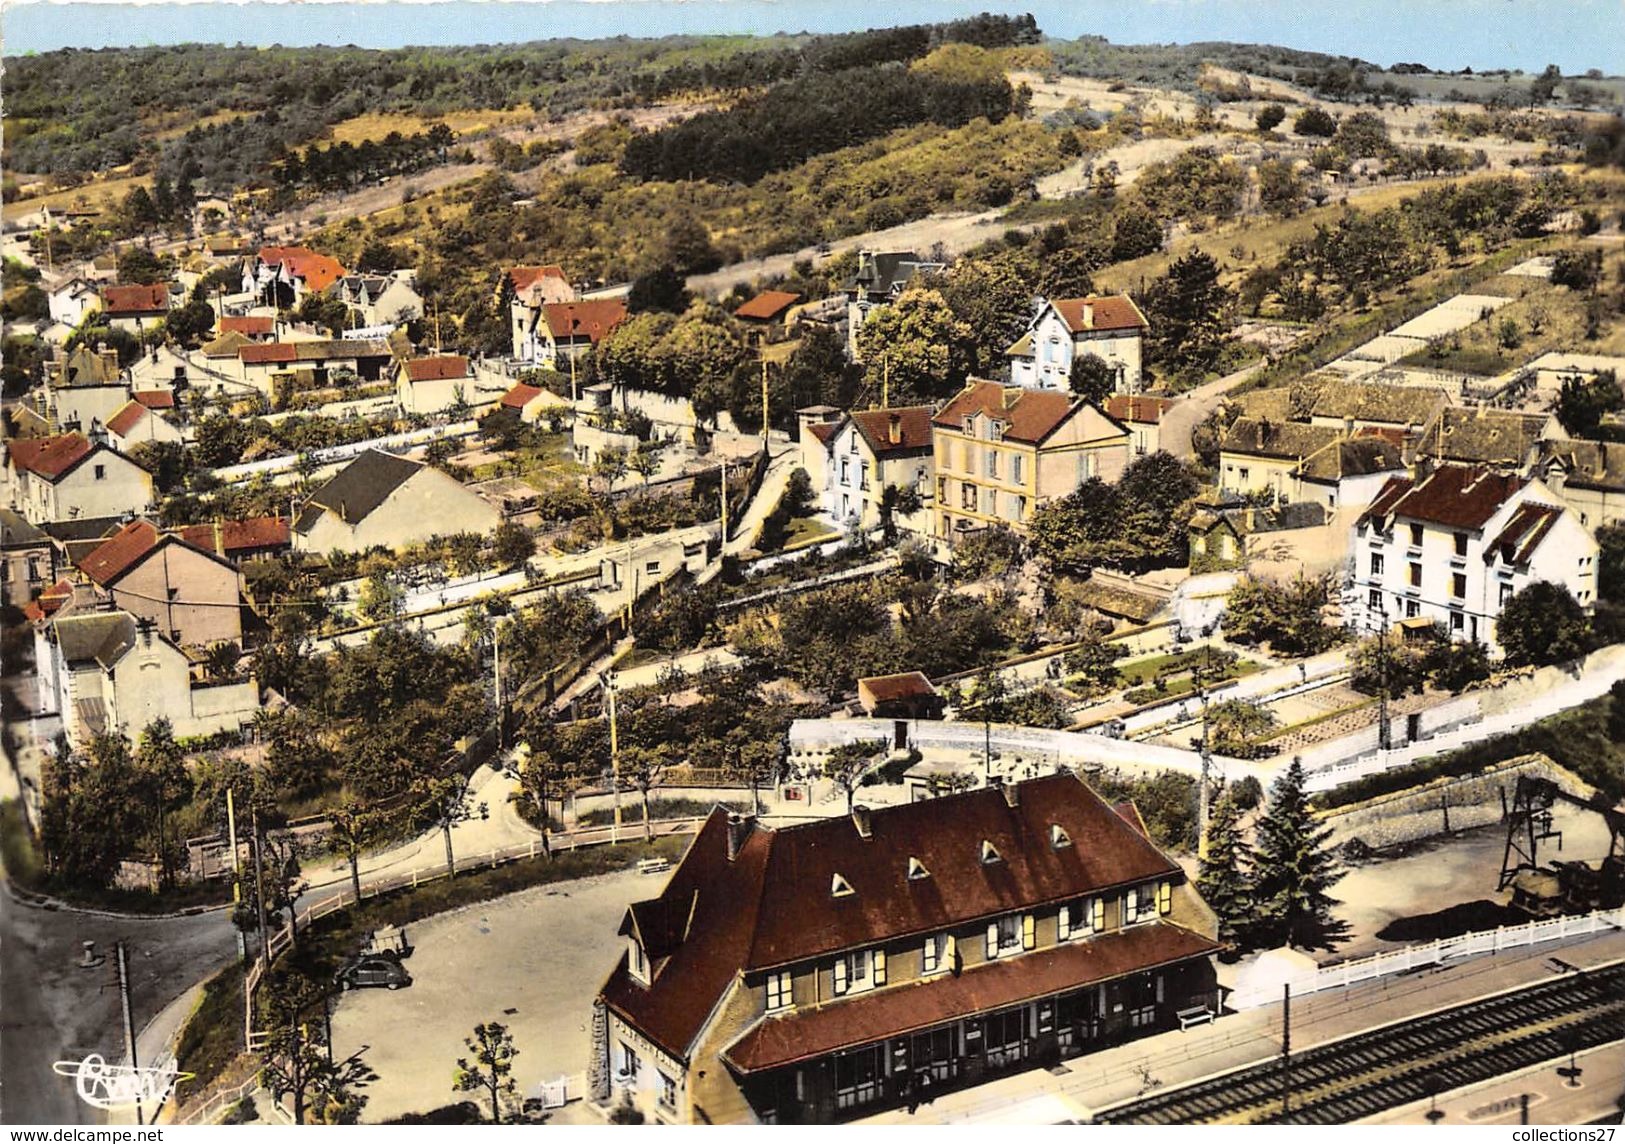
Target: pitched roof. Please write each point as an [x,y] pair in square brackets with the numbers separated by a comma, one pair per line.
[250,324]
[882,272]
[126,418]
[120,552]
[767,305]
[823,430]
[1357,457]
[1100,312]
[1483,436]
[740,923]
[49,457]
[524,277]
[1116,601]
[155,398]
[444,368]
[100,636]
[1031,415]
[16,532]
[592,319]
[1522,534]
[327,350]
[120,301]
[1589,464]
[49,603]
[1366,401]
[318,270]
[904,685]
[1137,408]
[85,367]
[227,344]
[1287,440]
[238,536]
[1454,496]
[806,1034]
[520,396]
[358,488]
[913,429]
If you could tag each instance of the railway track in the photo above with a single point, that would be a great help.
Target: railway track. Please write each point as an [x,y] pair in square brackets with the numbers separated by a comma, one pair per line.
[1349,1079]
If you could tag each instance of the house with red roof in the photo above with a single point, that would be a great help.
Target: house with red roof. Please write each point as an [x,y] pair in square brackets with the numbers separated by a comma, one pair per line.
[769,315]
[136,421]
[70,477]
[1111,327]
[192,595]
[282,275]
[823,971]
[870,450]
[239,540]
[254,327]
[555,334]
[527,289]
[531,403]
[440,383]
[1001,451]
[135,308]
[1455,544]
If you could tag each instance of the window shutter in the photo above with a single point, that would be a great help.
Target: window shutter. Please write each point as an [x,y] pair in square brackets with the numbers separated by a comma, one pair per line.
[992,940]
[1064,922]
[880,967]
[1165,897]
[1029,931]
[928,958]
[840,975]
[1100,913]
[952,953]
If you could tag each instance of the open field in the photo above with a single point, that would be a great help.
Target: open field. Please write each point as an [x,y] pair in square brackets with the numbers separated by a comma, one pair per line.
[97,193]
[376,125]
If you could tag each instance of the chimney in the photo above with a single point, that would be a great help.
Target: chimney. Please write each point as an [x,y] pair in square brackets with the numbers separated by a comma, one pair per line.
[1088,315]
[219,538]
[894,429]
[1012,794]
[864,821]
[739,828]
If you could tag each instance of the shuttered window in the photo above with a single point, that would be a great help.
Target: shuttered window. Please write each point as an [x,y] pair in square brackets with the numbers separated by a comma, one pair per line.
[1165,897]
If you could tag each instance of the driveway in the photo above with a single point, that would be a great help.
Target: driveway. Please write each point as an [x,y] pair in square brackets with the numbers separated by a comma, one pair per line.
[532,961]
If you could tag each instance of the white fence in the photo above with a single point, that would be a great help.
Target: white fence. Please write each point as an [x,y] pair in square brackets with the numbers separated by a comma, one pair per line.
[1434,953]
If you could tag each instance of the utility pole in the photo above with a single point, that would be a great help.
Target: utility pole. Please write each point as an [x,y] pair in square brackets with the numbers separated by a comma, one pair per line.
[608,681]
[723,469]
[236,871]
[1203,796]
[1382,676]
[259,891]
[885,381]
[129,1018]
[764,403]
[1286,1049]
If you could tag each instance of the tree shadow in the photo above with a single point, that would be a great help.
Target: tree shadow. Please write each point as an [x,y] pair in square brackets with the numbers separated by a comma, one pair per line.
[1462,918]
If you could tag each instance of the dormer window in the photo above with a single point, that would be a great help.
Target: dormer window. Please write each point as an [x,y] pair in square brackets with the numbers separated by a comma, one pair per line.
[917,870]
[990,853]
[1082,918]
[637,964]
[858,972]
[1058,839]
[937,955]
[1011,934]
[839,887]
[778,991]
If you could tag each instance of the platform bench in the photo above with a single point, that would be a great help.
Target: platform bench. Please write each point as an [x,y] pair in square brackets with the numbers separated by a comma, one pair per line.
[1195,1015]
[653,865]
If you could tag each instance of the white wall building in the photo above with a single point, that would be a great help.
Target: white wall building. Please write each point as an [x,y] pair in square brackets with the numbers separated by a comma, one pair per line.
[1109,327]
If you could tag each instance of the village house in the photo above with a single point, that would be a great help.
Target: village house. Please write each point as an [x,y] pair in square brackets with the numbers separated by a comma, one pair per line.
[254,327]
[1111,327]
[871,450]
[135,309]
[878,280]
[1589,476]
[768,315]
[1455,545]
[162,368]
[434,384]
[69,477]
[565,330]
[273,367]
[532,403]
[70,301]
[1482,436]
[108,673]
[814,426]
[1293,463]
[240,540]
[379,499]
[27,559]
[85,388]
[822,971]
[1142,417]
[382,299]
[193,596]
[1002,451]
[1353,406]
[904,696]
[281,276]
[135,422]
[527,289]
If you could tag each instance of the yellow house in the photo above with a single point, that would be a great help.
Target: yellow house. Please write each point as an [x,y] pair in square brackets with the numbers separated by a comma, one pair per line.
[1002,451]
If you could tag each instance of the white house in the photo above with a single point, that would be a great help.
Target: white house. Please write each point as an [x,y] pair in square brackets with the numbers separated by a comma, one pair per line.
[137,422]
[1456,545]
[86,388]
[1111,327]
[382,299]
[872,449]
[70,477]
[379,499]
[434,384]
[136,309]
[564,330]
[283,275]
[70,301]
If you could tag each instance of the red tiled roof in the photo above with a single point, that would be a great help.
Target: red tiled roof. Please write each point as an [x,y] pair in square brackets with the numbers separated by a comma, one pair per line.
[155,398]
[49,457]
[905,685]
[125,419]
[1454,496]
[524,277]
[49,602]
[119,301]
[739,922]
[1130,814]
[591,320]
[115,556]
[318,270]
[446,368]
[913,429]
[238,536]
[1523,533]
[823,430]
[809,1033]
[520,396]
[267,352]
[767,305]
[1141,410]
[252,325]
[1107,312]
[1031,414]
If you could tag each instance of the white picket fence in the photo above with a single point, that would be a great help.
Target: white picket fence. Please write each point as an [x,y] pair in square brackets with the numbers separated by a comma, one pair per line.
[1433,953]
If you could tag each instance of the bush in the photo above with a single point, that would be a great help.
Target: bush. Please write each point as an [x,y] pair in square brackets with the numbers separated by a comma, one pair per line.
[1316,122]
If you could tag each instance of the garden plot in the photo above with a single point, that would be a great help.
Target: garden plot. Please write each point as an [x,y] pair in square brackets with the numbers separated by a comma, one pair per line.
[1447,317]
[1540,267]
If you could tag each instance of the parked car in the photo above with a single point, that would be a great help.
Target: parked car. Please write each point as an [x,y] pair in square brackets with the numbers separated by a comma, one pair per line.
[365,972]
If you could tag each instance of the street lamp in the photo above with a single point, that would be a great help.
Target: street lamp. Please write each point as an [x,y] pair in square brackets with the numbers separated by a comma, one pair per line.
[606,680]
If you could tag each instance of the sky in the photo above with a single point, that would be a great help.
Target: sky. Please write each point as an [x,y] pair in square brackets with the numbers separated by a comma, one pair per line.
[1443,34]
